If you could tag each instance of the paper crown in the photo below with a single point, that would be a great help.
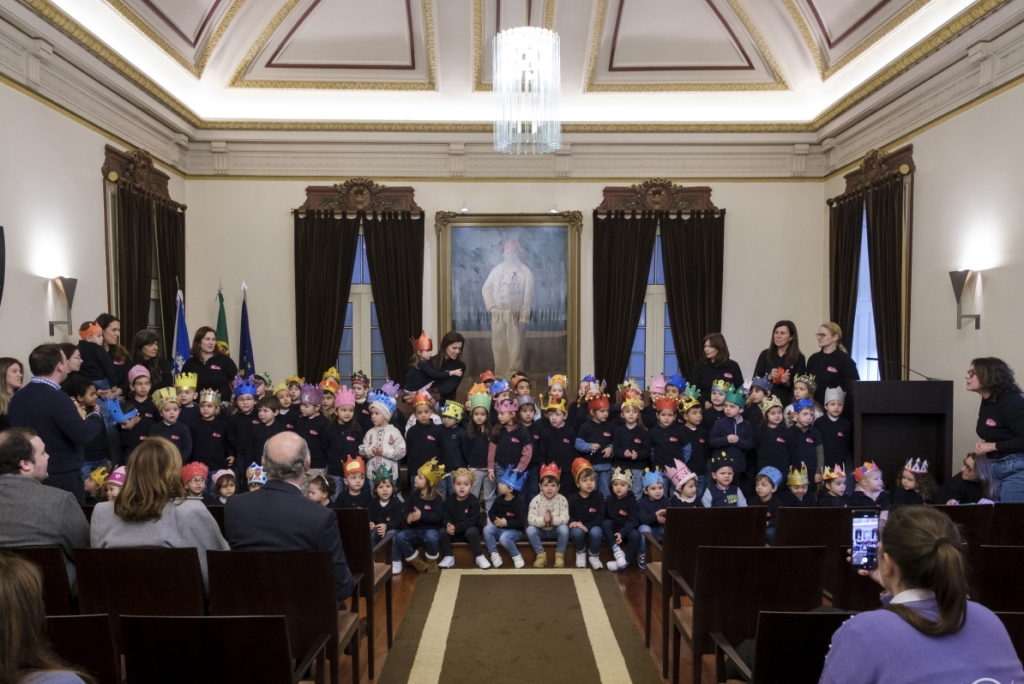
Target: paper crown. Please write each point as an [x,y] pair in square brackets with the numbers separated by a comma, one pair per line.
[736,396]
[295,380]
[679,473]
[721,385]
[630,387]
[479,398]
[221,473]
[720,460]
[864,469]
[518,378]
[262,377]
[596,402]
[770,402]
[329,385]
[772,473]
[383,402]
[549,405]
[623,475]
[498,386]
[666,403]
[762,383]
[392,388]
[118,477]
[100,476]
[594,385]
[801,404]
[353,465]
[635,401]
[453,410]
[280,387]
[422,343]
[382,472]
[833,474]
[579,467]
[550,469]
[186,381]
[137,371]
[93,329]
[255,474]
[834,394]
[808,380]
[165,396]
[433,471]
[312,395]
[332,372]
[796,477]
[422,397]
[524,400]
[487,375]
[194,469]
[117,414]
[360,378]
[677,381]
[651,477]
[658,385]
[459,472]
[692,392]
[513,479]
[686,402]
[243,386]
[506,406]
[211,396]
[557,379]
[918,467]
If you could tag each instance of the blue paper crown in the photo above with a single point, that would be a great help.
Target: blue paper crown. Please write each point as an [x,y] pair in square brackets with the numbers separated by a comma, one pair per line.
[589,378]
[677,381]
[652,477]
[513,479]
[763,382]
[801,404]
[773,474]
[378,397]
[244,386]
[499,386]
[116,414]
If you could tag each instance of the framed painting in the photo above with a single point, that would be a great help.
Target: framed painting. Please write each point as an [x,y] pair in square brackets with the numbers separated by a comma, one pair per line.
[510,283]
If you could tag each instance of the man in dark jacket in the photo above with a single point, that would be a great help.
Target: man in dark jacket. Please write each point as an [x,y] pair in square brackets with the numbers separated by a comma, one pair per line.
[278,517]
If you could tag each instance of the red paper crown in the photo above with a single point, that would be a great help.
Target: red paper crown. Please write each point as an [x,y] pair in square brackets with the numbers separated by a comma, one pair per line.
[666,403]
[596,402]
[423,343]
[552,470]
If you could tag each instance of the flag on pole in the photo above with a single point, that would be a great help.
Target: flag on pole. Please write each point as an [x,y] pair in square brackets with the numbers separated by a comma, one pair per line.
[246,362]
[222,323]
[182,345]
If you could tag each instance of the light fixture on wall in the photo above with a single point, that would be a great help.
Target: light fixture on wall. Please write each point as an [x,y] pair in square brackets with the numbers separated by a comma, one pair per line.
[554,209]
[465,207]
[65,287]
[527,86]
[960,280]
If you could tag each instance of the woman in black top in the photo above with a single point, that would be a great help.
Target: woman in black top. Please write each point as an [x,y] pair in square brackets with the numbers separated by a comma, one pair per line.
[1000,424]
[782,361]
[831,366]
[716,365]
[445,369]
[215,370]
[146,352]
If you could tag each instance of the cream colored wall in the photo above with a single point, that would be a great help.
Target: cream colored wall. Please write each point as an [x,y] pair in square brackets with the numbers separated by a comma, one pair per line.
[242,230]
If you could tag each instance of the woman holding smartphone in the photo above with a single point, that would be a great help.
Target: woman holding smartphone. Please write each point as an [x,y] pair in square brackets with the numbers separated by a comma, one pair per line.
[927,630]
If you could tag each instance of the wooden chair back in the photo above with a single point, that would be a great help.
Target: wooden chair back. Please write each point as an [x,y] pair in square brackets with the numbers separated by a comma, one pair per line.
[1014,623]
[976,522]
[853,592]
[828,527]
[207,650]
[1007,525]
[354,526]
[86,643]
[50,560]
[991,584]
[791,647]
[688,529]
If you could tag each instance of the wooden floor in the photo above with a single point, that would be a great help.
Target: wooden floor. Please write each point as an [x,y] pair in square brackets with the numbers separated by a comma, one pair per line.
[630,581]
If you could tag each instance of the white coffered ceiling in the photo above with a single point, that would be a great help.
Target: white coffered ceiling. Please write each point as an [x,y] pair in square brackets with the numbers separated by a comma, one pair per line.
[788,62]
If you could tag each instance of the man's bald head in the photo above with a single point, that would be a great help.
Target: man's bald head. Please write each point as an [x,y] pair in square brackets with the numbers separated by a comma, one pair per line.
[286,457]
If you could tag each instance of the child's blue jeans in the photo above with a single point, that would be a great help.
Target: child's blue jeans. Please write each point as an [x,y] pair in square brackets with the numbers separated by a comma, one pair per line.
[536,535]
[638,483]
[406,542]
[604,480]
[658,531]
[494,535]
[591,539]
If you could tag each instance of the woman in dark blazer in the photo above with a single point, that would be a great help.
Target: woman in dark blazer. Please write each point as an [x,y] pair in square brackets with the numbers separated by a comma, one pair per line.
[782,361]
[146,352]
[716,365]
[215,370]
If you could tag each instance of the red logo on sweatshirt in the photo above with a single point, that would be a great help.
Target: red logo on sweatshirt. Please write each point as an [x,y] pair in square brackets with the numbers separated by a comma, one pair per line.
[516,440]
[312,432]
[215,434]
[255,421]
[840,434]
[638,441]
[565,439]
[350,438]
[431,438]
[142,437]
[292,427]
[728,375]
[831,369]
[591,510]
[622,512]
[175,437]
[214,367]
[426,507]
[701,440]
[780,440]
[607,434]
[510,514]
[990,422]
[810,440]
[672,439]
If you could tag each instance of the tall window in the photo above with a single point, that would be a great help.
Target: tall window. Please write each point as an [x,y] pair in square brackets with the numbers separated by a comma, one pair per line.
[362,348]
[653,350]
[864,344]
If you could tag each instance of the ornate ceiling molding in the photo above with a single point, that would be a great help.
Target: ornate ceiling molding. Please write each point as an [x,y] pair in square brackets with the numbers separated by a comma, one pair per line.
[478,40]
[657,194]
[359,194]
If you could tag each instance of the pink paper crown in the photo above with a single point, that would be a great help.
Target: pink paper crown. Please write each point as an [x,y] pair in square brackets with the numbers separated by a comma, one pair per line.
[658,385]
[344,397]
[679,474]
[506,406]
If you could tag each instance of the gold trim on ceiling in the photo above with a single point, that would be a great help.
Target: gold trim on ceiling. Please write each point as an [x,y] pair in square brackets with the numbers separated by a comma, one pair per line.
[239,80]
[741,14]
[478,41]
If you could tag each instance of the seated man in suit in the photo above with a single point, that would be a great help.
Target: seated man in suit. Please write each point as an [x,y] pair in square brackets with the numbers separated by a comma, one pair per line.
[278,517]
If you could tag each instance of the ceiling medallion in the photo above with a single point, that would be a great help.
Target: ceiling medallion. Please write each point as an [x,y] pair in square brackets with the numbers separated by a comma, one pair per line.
[527,85]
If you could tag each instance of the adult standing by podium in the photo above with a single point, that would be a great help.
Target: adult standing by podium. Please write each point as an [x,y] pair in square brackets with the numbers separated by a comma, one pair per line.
[1000,423]
[831,366]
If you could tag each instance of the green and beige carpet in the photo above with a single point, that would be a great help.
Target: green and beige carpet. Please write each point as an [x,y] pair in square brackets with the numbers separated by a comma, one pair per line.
[498,626]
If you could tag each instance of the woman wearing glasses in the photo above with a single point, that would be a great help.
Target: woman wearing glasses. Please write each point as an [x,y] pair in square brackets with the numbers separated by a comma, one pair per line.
[831,366]
[1000,424]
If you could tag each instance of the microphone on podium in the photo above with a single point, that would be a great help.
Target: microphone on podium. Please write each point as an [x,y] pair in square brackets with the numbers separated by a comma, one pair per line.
[896,363]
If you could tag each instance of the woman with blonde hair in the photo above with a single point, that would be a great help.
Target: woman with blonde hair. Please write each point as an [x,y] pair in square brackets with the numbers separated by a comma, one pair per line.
[153,508]
[831,365]
[12,376]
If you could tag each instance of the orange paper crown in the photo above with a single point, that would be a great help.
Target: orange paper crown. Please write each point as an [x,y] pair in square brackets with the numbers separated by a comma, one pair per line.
[423,343]
[666,403]
[579,467]
[423,397]
[552,470]
[596,402]
[354,465]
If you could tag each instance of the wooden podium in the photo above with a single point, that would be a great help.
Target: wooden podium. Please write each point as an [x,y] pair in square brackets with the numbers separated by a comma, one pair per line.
[894,420]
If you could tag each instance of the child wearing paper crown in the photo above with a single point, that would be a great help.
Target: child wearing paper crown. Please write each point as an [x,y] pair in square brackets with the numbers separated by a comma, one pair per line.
[422,515]
[869,491]
[548,518]
[631,445]
[586,513]
[765,485]
[773,446]
[255,476]
[684,486]
[733,435]
[798,494]
[383,444]
[342,438]
[511,446]
[425,439]
[621,520]
[140,383]
[760,389]
[526,414]
[97,366]
[166,401]
[354,493]
[914,485]
[835,429]
[386,514]
[479,433]
[421,370]
[651,511]
[594,441]
[507,518]
[132,430]
[460,520]
[209,436]
[834,495]
[803,441]
[224,486]
[288,413]
[557,442]
[313,427]
[696,437]
[186,387]
[716,399]
[242,426]
[115,482]
[95,486]
[330,387]
[804,387]
[454,440]
[724,491]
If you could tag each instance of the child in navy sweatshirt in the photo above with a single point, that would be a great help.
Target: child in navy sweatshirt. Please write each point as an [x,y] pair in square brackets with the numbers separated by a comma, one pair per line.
[386,514]
[696,439]
[723,492]
[479,433]
[630,444]
[209,436]
[271,424]
[526,414]
[140,385]
[460,520]
[651,512]
[507,518]
[835,430]
[765,485]
[242,429]
[717,397]
[803,441]
[586,513]
[342,440]
[797,494]
[594,441]
[557,444]
[166,400]
[773,443]
[455,441]
[668,438]
[684,485]
[511,446]
[185,387]
[424,439]
[313,427]
[354,493]
[834,495]
[422,515]
[621,520]
[732,434]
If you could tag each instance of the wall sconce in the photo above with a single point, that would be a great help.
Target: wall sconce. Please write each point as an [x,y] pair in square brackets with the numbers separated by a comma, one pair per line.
[66,288]
[959,280]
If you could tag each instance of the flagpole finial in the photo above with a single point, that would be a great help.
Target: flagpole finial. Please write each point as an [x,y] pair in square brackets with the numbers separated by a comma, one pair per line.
[244,287]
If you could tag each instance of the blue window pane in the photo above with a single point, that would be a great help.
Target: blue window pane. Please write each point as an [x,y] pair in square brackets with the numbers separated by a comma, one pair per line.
[346,340]
[640,381]
[640,341]
[373,315]
[378,368]
[637,365]
[659,273]
[671,365]
[376,341]
[357,276]
[650,274]
[667,323]
[670,346]
[348,315]
[345,365]
[366,264]
[643,316]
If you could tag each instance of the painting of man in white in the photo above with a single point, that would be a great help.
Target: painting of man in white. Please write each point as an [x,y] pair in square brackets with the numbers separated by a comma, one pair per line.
[508,296]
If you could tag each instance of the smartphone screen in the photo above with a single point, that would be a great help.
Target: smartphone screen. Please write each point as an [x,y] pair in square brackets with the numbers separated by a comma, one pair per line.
[864,544]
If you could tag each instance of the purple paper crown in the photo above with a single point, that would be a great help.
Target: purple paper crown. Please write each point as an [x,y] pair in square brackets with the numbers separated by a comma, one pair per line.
[391,389]
[313,395]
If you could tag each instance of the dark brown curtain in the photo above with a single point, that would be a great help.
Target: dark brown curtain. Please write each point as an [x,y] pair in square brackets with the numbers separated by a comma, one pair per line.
[134,258]
[622,260]
[170,254]
[325,253]
[845,225]
[693,254]
[394,253]
[885,258]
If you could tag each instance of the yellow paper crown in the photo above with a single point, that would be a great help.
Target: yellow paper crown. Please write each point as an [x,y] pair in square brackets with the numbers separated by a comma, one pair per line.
[687,402]
[295,379]
[279,387]
[720,385]
[463,471]
[558,379]
[633,400]
[623,474]
[796,477]
[549,405]
[769,403]
[433,471]
[210,395]
[332,372]
[165,396]
[186,381]
[833,474]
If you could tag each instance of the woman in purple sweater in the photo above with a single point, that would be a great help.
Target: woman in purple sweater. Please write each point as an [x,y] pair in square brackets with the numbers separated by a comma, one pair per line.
[927,630]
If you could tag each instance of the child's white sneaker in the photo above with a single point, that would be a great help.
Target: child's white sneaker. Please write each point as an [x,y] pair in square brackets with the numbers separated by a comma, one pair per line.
[620,556]
[613,566]
[482,562]
[396,567]
[595,562]
[581,560]
[496,560]
[518,561]
[447,562]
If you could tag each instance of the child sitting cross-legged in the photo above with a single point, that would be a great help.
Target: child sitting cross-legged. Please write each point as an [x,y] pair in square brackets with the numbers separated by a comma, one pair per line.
[834,495]
[767,482]
[684,484]
[724,491]
[915,485]
[354,494]
[507,518]
[386,514]
[586,512]
[255,477]
[621,520]
[651,509]
[422,516]
[548,517]
[797,494]
[869,491]
[460,520]
[320,489]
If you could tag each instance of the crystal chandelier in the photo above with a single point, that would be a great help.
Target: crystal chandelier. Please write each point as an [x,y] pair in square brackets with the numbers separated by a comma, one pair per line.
[527,83]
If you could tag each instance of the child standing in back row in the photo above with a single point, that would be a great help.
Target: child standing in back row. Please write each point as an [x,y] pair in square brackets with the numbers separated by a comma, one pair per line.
[383,444]
[594,441]
[631,445]
[479,433]
[166,401]
[835,429]
[557,443]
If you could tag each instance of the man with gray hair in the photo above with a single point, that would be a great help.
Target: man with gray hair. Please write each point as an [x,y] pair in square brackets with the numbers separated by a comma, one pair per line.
[277,517]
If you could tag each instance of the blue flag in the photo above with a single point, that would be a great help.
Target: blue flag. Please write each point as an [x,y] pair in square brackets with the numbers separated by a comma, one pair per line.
[246,362]
[182,346]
